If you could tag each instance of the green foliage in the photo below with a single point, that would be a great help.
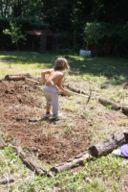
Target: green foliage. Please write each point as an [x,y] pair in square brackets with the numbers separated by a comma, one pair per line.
[24,23]
[110,11]
[14,29]
[106,166]
[14,32]
[22,8]
[69,17]
[94,32]
[123,31]
[107,36]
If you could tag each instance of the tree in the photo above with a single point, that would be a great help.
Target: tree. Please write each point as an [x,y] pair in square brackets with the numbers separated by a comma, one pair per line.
[15,33]
[110,11]
[21,8]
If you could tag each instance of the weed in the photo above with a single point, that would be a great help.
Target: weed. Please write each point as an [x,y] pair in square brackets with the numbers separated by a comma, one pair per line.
[85,115]
[68,129]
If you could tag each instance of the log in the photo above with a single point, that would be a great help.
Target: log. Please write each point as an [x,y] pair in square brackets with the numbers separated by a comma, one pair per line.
[108,145]
[6,181]
[21,77]
[17,77]
[79,160]
[14,77]
[125,110]
[101,100]
[126,136]
[107,102]
[30,163]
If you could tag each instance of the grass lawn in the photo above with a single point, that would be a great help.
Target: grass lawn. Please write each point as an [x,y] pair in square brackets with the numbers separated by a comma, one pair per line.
[105,76]
[32,62]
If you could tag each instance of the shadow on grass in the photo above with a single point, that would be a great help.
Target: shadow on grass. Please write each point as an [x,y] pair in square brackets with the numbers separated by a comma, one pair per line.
[27,58]
[115,69]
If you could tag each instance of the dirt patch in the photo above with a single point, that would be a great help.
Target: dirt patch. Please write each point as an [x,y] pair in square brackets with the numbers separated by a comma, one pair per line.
[125,184]
[53,142]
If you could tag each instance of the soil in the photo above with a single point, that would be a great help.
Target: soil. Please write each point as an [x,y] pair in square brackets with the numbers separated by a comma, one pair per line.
[21,107]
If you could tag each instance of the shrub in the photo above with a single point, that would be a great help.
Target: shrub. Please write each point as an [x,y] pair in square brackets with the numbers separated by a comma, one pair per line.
[107,37]
[15,33]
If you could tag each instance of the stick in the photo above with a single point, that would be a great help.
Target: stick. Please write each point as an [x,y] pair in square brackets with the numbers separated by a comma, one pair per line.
[78,94]
[81,93]
[89,97]
[32,81]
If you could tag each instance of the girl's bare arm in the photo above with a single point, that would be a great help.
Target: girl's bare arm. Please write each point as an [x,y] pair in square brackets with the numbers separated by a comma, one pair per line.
[61,88]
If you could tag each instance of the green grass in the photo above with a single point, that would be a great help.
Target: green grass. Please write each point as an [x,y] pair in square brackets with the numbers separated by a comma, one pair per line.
[88,68]
[13,62]
[100,175]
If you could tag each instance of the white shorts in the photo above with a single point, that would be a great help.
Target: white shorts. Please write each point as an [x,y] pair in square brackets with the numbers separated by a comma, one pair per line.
[51,95]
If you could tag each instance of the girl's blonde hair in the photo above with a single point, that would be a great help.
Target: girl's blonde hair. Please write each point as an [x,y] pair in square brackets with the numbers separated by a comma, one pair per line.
[61,64]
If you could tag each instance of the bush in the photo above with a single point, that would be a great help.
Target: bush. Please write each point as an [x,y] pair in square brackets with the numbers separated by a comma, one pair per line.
[23,24]
[107,37]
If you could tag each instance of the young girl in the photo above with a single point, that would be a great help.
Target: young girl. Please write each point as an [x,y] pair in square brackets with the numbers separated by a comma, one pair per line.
[52,79]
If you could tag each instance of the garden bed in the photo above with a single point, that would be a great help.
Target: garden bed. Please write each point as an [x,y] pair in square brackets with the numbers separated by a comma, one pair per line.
[22,105]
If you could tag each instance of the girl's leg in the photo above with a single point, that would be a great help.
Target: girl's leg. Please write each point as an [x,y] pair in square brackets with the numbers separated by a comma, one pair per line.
[48,108]
[55,104]
[48,104]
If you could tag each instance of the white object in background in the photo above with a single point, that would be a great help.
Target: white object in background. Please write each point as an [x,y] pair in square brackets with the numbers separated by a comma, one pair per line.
[85,52]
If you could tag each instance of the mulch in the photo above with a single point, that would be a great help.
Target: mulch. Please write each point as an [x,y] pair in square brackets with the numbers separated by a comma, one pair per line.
[21,108]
